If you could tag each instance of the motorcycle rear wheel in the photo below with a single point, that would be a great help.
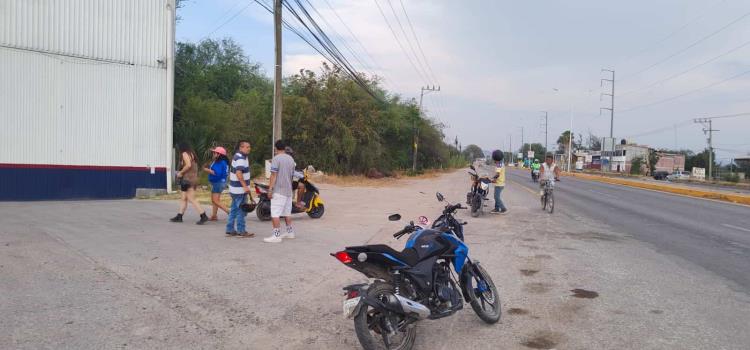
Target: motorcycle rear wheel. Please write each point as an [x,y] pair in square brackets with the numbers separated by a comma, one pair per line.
[263,211]
[483,295]
[368,327]
[317,212]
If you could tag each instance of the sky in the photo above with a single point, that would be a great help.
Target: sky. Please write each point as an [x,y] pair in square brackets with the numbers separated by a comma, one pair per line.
[499,64]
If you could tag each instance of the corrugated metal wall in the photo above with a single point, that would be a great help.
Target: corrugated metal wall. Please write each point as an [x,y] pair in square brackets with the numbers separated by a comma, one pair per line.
[81,82]
[132,31]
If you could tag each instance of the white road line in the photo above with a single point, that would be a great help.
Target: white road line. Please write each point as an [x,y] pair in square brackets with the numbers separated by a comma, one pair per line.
[736,227]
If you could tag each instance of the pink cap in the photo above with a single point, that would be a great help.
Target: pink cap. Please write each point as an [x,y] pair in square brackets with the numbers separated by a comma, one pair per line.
[220,150]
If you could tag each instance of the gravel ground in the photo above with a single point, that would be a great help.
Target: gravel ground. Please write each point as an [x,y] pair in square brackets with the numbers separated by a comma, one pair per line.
[118,275]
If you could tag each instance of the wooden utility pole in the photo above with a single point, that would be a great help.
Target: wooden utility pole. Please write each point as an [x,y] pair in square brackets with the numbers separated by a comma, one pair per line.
[277,94]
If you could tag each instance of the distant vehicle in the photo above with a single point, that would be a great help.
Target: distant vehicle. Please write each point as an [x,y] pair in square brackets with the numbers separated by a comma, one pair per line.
[679,175]
[660,175]
[481,160]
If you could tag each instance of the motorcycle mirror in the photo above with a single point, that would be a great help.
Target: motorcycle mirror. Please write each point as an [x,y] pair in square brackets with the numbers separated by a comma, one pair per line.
[472,167]
[440,197]
[394,217]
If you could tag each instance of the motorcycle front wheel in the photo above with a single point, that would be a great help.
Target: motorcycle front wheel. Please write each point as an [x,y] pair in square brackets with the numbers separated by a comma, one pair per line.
[483,295]
[476,205]
[368,324]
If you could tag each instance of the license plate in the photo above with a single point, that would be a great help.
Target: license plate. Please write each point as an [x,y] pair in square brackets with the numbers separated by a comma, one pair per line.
[350,305]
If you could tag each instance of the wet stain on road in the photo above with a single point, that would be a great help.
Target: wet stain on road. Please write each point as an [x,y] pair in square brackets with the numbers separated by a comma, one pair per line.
[517,311]
[593,236]
[529,240]
[543,256]
[542,340]
[656,312]
[527,272]
[537,287]
[584,294]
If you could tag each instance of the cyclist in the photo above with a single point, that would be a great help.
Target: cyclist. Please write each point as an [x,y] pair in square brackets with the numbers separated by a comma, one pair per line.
[549,172]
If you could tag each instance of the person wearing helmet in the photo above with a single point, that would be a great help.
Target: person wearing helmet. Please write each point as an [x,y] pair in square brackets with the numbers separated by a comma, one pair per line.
[535,167]
[217,170]
[499,182]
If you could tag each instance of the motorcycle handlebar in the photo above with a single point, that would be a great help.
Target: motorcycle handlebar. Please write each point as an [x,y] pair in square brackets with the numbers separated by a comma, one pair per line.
[406,230]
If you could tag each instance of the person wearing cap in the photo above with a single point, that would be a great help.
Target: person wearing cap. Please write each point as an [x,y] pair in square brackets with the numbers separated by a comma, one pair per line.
[217,171]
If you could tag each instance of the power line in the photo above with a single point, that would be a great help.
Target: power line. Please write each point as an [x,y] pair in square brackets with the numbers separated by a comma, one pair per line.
[228,20]
[406,37]
[326,44]
[424,58]
[684,94]
[330,53]
[337,35]
[740,18]
[375,64]
[687,70]
[673,33]
[399,43]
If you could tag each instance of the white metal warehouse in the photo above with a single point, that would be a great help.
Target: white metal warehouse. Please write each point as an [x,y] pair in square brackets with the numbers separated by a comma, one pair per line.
[86,91]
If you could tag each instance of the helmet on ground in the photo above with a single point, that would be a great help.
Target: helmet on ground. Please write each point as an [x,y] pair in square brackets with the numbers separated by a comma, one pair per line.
[220,150]
[497,155]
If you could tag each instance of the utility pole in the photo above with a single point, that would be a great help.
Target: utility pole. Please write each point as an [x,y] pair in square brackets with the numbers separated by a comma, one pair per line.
[611,108]
[570,139]
[277,95]
[523,156]
[416,129]
[708,122]
[545,133]
[510,147]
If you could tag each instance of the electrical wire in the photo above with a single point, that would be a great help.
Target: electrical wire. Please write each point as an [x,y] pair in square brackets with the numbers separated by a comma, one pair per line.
[227,21]
[683,50]
[399,43]
[327,45]
[684,94]
[675,32]
[406,37]
[424,58]
[674,76]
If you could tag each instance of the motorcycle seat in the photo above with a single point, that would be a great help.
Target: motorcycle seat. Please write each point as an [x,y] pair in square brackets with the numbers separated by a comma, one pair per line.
[408,255]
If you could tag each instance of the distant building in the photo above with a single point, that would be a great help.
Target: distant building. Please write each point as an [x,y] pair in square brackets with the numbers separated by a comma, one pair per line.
[743,162]
[670,162]
[86,90]
[624,154]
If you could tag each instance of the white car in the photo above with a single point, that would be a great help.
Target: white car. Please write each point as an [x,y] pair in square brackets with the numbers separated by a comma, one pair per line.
[679,175]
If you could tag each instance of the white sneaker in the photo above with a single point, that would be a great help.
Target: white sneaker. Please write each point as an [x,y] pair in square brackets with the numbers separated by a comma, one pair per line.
[273,239]
[541,192]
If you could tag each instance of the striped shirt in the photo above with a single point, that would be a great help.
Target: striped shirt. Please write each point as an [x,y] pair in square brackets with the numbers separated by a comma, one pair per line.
[239,163]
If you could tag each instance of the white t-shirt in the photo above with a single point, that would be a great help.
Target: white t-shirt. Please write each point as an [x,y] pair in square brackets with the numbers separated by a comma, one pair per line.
[549,171]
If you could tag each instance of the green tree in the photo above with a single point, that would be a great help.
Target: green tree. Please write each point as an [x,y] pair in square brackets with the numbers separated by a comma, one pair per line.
[472,152]
[635,165]
[538,149]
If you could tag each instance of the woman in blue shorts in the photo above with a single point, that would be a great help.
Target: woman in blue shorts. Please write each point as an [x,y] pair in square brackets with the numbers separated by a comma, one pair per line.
[217,176]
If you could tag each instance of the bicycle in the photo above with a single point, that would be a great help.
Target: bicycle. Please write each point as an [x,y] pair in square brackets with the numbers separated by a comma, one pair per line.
[548,197]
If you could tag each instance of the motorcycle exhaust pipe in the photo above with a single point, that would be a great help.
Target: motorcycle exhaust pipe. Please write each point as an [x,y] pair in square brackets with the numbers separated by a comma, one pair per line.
[413,307]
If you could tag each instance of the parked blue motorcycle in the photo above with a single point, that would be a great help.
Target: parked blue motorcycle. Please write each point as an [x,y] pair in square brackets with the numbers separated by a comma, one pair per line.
[416,283]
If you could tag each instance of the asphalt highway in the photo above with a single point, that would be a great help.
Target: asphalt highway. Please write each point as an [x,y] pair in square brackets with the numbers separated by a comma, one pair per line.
[710,234]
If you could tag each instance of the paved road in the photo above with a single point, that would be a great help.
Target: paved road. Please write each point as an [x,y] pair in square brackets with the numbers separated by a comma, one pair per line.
[710,234]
